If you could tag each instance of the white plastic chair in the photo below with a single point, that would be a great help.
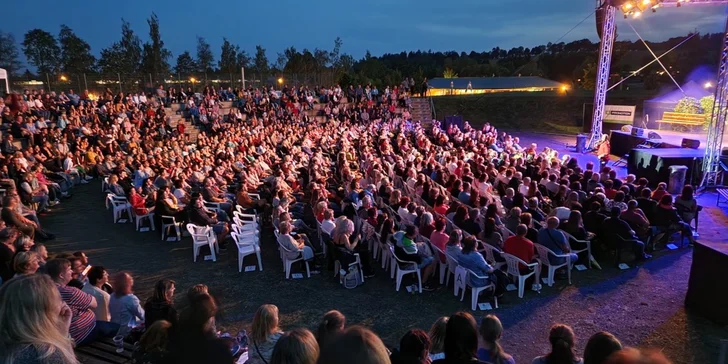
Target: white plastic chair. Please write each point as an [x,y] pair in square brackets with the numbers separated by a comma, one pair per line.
[490,254]
[203,236]
[245,225]
[570,237]
[246,233]
[462,280]
[104,184]
[357,263]
[120,205]
[247,246]
[543,257]
[442,265]
[139,218]
[452,264]
[514,270]
[245,218]
[287,263]
[169,222]
[404,267]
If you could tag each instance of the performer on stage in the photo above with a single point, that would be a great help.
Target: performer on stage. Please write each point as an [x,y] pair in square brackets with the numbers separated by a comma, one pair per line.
[603,148]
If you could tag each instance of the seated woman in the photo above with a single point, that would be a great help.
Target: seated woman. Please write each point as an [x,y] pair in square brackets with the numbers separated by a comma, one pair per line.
[160,307]
[138,203]
[114,186]
[124,306]
[264,335]
[686,204]
[165,206]
[492,236]
[196,340]
[36,329]
[344,242]
[470,259]
[296,247]
[562,341]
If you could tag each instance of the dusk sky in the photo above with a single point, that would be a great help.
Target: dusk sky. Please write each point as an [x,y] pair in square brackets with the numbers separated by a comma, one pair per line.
[381,26]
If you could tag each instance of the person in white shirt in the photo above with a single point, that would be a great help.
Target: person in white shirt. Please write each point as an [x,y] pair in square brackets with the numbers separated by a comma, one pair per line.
[328,224]
[97,278]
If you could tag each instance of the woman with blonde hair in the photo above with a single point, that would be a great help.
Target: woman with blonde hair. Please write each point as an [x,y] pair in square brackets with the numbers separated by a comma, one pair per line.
[437,336]
[26,263]
[264,334]
[357,345]
[35,322]
[297,346]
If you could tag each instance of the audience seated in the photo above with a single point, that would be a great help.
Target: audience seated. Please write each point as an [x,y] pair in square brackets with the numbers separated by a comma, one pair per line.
[562,341]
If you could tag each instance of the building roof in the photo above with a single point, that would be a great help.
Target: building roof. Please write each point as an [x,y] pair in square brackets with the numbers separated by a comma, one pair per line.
[493,83]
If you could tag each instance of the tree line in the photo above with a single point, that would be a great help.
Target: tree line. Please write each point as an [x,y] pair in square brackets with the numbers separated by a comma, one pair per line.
[573,62]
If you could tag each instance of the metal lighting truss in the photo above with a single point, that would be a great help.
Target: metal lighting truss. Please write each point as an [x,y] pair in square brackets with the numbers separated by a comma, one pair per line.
[711,161]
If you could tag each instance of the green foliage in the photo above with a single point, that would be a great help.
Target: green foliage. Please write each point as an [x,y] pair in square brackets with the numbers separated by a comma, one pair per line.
[42,51]
[123,57]
[185,64]
[205,59]
[688,105]
[260,61]
[706,105]
[76,57]
[9,55]
[155,56]
[228,57]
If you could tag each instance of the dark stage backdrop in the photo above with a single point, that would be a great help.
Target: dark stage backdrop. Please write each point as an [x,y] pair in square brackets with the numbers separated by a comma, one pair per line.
[654,163]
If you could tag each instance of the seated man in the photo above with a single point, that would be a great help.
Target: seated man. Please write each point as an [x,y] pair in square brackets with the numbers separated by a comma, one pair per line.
[84,326]
[555,240]
[328,224]
[521,247]
[666,216]
[199,216]
[614,226]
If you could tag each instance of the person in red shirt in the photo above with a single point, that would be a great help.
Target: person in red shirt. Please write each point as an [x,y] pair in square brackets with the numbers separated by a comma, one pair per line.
[519,246]
[603,150]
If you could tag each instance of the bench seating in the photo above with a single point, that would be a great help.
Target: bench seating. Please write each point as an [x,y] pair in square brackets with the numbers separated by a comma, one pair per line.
[104,351]
[681,119]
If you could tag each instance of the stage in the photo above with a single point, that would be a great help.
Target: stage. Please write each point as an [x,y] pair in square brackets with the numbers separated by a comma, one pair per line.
[622,142]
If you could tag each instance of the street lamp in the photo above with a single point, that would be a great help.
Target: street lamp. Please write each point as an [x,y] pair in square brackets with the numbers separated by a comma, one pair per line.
[280,81]
[64,78]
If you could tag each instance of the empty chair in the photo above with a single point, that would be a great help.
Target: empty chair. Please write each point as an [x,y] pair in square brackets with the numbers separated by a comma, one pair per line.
[490,255]
[139,218]
[247,246]
[202,236]
[570,237]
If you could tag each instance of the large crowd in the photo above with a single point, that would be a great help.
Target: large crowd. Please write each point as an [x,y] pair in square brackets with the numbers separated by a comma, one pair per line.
[356,181]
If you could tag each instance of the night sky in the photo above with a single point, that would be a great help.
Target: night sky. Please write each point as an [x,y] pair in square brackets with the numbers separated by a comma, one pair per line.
[381,26]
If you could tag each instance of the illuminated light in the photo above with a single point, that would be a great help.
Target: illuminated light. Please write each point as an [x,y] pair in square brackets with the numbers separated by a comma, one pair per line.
[564,88]
[280,80]
[646,2]
[636,14]
[628,6]
[708,85]
[64,78]
[193,80]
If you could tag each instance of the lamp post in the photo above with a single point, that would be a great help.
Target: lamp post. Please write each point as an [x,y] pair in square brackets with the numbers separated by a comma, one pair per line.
[280,82]
[192,80]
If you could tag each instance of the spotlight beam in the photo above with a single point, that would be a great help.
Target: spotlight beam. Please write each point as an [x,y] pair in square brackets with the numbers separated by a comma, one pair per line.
[657,59]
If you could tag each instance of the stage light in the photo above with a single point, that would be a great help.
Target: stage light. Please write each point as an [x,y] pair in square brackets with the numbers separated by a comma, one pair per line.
[627,6]
[646,2]
[636,14]
[708,85]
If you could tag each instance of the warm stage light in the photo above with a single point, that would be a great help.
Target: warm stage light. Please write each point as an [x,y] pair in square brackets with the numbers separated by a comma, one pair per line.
[636,14]
[628,6]
[646,2]
[708,85]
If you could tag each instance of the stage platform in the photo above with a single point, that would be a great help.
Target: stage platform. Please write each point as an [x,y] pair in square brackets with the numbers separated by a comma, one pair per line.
[622,142]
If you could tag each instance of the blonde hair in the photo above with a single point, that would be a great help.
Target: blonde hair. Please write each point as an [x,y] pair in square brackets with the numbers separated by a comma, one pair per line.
[29,307]
[437,335]
[155,338]
[265,323]
[343,226]
[22,260]
[297,346]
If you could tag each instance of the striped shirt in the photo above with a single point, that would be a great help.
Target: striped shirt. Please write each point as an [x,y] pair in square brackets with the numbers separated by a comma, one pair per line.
[83,320]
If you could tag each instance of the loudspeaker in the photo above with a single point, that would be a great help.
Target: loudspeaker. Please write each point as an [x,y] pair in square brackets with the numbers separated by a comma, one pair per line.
[690,143]
[638,132]
[653,135]
[626,128]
